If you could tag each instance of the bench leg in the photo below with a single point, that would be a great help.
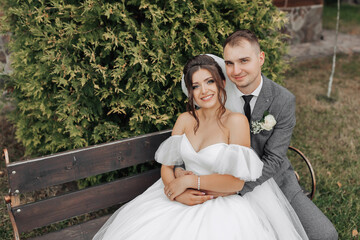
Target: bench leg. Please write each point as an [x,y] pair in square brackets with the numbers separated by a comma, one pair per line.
[12,219]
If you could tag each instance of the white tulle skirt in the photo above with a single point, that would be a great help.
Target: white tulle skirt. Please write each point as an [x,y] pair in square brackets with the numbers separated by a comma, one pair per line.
[262,214]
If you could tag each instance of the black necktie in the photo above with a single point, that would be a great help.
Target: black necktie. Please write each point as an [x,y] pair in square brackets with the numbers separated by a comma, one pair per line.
[247,109]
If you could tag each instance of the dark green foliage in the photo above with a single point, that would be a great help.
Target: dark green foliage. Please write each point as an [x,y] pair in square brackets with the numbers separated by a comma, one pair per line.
[90,71]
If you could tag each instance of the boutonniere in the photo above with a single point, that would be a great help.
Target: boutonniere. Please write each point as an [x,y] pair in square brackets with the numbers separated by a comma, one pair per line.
[266,123]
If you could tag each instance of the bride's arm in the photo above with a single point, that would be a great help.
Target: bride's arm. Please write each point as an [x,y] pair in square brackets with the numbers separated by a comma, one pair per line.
[221,183]
[167,172]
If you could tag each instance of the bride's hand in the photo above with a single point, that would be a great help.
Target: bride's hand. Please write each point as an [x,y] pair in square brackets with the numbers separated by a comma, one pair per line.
[193,197]
[178,186]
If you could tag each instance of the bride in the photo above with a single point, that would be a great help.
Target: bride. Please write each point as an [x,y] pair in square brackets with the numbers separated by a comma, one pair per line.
[213,143]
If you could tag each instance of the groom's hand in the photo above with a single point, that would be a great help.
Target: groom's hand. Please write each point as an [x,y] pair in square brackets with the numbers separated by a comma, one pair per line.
[193,197]
[179,172]
[219,194]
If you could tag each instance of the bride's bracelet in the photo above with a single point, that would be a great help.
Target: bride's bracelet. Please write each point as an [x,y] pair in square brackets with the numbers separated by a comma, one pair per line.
[198,183]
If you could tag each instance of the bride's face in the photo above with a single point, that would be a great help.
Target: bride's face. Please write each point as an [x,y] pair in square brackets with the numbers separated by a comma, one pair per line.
[205,91]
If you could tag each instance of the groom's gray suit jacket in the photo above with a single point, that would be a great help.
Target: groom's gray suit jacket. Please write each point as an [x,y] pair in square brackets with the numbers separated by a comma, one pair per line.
[272,146]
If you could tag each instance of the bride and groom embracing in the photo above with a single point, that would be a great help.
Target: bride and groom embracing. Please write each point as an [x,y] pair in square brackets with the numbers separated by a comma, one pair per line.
[238,183]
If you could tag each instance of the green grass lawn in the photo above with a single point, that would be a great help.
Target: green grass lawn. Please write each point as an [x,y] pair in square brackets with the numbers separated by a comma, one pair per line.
[349,18]
[328,132]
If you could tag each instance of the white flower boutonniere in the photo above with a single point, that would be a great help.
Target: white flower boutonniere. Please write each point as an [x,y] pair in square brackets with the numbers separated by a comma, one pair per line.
[266,123]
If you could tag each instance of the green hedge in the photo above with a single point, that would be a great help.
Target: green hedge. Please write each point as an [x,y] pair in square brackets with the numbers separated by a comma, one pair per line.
[92,71]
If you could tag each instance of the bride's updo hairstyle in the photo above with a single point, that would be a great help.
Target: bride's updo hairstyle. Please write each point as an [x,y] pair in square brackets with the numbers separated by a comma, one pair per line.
[208,63]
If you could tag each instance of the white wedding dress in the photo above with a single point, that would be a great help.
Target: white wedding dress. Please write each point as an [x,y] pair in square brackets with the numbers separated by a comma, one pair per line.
[262,214]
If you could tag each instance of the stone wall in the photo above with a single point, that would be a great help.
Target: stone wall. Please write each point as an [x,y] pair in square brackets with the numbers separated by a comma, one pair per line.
[296,3]
[4,55]
[4,68]
[305,19]
[305,23]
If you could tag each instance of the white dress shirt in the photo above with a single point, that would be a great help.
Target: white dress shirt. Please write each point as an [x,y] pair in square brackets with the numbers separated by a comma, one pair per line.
[235,101]
[239,94]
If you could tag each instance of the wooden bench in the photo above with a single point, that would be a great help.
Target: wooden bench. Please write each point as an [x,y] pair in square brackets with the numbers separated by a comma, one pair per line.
[60,168]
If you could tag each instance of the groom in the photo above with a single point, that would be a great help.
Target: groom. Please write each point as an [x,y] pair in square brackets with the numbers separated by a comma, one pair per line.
[253,94]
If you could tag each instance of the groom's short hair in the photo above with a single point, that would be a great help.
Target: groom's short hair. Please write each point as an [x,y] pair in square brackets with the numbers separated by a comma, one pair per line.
[240,35]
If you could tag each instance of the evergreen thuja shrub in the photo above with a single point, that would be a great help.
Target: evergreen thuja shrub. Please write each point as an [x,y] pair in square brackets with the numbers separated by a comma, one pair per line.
[86,72]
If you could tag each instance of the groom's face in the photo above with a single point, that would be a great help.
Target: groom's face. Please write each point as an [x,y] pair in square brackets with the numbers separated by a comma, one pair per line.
[243,65]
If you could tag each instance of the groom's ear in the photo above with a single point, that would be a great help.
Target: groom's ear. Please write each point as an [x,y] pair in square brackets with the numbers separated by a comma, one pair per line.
[261,58]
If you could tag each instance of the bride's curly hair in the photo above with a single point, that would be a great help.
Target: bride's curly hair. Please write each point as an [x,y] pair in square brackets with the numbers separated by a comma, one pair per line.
[208,63]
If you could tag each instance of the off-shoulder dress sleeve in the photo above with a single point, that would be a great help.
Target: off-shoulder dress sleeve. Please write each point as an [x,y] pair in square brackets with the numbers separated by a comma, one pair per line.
[169,151]
[239,161]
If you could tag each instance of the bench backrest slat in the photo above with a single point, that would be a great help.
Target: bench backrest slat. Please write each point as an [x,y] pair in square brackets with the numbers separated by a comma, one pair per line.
[45,212]
[84,231]
[72,165]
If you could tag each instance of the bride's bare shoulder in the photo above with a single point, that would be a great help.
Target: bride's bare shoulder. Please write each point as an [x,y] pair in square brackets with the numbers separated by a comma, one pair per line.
[183,121]
[234,119]
[239,131]
[185,117]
